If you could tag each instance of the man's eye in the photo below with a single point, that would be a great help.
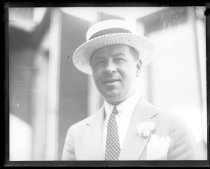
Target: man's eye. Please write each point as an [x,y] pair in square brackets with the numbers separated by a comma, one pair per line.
[119,60]
[100,62]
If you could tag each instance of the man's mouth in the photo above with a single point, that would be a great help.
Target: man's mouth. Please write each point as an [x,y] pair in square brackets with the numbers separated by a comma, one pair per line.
[111,81]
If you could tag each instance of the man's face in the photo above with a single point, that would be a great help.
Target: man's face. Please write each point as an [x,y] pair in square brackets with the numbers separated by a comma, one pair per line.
[115,72]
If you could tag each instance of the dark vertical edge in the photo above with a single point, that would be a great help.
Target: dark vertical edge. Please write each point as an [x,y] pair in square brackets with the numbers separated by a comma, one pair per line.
[5,87]
[207,13]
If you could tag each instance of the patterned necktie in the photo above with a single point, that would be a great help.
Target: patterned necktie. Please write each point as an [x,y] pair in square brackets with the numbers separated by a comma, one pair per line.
[112,140]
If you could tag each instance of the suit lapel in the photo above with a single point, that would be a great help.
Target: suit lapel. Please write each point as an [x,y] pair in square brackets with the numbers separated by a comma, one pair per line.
[134,146]
[94,137]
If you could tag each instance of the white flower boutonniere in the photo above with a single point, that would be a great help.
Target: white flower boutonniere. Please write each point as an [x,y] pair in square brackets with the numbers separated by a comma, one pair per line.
[157,146]
[145,129]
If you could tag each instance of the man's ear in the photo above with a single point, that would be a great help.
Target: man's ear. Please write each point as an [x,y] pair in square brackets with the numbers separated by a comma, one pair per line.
[138,65]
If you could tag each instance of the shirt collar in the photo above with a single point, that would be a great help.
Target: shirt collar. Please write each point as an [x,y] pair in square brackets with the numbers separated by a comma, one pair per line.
[127,105]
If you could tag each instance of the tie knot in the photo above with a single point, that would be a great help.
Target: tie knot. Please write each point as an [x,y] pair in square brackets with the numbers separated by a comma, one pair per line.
[115,111]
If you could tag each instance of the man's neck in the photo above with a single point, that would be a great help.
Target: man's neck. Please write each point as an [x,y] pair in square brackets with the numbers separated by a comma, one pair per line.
[135,93]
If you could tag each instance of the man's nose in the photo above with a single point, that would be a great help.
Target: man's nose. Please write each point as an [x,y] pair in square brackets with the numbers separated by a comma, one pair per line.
[110,66]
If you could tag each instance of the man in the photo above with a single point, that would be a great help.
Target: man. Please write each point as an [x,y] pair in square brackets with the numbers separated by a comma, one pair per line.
[127,127]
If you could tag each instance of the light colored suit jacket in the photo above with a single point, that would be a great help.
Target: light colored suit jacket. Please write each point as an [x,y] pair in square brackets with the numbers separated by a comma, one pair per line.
[84,140]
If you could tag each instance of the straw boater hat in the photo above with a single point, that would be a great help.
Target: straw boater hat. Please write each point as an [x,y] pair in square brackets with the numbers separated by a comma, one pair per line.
[110,32]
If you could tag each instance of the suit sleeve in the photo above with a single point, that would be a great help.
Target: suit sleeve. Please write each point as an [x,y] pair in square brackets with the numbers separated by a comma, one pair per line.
[68,149]
[183,145]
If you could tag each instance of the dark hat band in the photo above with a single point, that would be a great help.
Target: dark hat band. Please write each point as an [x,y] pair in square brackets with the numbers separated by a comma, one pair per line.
[109,31]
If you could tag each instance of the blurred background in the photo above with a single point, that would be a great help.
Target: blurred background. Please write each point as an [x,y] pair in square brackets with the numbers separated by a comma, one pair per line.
[47,94]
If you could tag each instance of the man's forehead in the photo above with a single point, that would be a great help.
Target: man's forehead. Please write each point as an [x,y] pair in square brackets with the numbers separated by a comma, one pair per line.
[112,50]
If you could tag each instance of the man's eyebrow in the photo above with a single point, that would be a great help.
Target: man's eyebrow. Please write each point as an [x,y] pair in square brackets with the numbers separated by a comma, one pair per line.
[96,58]
[99,57]
[118,54]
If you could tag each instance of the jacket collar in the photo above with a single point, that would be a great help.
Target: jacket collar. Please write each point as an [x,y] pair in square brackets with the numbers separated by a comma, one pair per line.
[133,145]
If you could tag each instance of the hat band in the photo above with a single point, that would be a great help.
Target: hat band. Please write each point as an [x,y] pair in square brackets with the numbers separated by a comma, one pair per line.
[109,31]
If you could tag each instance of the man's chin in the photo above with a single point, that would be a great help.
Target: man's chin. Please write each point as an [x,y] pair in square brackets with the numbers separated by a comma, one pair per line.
[113,97]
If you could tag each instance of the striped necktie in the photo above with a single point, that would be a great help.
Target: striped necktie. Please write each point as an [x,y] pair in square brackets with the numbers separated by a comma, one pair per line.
[112,140]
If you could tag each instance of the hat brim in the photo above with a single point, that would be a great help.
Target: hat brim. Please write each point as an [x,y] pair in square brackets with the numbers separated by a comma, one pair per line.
[83,53]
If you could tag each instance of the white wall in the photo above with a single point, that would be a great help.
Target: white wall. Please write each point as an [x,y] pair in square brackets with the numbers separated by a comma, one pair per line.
[176,83]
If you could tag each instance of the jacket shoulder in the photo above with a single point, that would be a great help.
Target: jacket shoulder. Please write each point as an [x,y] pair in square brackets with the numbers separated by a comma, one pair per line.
[82,124]
[168,121]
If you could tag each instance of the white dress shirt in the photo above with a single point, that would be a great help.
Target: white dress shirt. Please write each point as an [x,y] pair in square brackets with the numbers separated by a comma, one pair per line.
[125,110]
